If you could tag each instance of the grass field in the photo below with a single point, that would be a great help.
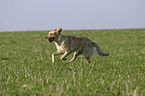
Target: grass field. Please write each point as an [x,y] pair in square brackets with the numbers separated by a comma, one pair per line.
[26,68]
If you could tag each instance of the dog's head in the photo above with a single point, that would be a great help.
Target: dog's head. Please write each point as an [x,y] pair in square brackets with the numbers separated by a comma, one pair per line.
[54,35]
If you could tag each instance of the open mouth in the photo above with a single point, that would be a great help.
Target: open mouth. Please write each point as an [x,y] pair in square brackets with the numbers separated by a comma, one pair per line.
[50,39]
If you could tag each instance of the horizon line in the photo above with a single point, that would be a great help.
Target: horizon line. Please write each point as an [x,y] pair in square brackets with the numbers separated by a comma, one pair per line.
[75,29]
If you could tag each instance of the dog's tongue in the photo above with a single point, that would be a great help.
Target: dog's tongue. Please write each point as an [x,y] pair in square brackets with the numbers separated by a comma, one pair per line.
[50,40]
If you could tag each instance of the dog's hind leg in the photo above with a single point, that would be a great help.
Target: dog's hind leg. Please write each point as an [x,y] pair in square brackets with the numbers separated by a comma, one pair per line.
[76,54]
[88,52]
[88,60]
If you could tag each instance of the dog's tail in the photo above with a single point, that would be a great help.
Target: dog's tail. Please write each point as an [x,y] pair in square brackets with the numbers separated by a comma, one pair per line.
[99,51]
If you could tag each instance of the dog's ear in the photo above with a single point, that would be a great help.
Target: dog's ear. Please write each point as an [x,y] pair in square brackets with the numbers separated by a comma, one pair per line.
[59,30]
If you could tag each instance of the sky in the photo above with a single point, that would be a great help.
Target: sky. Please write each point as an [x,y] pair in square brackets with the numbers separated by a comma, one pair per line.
[27,15]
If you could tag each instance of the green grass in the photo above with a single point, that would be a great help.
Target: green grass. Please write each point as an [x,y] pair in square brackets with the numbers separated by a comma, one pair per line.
[26,68]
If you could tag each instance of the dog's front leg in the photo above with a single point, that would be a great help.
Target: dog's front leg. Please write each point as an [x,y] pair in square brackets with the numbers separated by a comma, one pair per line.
[55,54]
[63,57]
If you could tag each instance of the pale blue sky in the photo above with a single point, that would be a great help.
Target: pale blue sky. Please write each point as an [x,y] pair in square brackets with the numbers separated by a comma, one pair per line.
[22,15]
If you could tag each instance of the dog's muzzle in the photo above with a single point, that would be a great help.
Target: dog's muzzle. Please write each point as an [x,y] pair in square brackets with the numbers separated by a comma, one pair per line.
[50,39]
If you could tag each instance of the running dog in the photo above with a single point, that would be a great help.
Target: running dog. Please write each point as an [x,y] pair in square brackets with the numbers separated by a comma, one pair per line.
[73,44]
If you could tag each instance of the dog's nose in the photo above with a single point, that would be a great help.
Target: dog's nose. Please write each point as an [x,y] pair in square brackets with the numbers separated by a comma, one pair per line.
[46,37]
